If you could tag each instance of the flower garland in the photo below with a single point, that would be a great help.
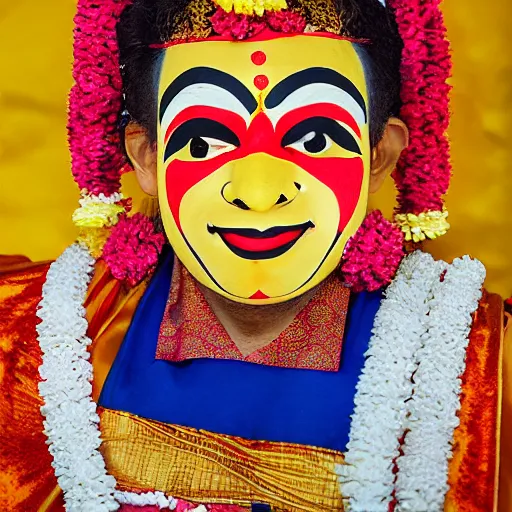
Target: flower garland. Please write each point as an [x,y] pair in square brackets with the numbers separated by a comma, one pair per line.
[146,499]
[71,421]
[438,300]
[243,26]
[372,256]
[250,7]
[430,344]
[423,173]
[96,97]
[99,211]
[367,477]
[423,468]
[418,228]
[133,248]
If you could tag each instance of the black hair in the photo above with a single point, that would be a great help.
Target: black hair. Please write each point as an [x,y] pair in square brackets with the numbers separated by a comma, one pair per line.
[150,22]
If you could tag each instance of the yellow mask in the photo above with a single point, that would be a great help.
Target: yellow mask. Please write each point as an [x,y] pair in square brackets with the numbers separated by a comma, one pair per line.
[263,161]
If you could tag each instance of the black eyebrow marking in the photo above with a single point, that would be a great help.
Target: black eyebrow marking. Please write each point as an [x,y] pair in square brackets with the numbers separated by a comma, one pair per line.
[311,76]
[198,127]
[340,135]
[206,75]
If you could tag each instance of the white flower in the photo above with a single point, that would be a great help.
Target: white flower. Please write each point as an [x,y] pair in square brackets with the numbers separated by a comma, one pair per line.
[421,328]
[145,499]
[385,385]
[432,411]
[71,421]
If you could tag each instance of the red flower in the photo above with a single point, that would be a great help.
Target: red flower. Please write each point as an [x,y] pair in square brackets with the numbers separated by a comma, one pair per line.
[236,26]
[286,21]
[95,99]
[373,254]
[133,248]
[242,26]
[423,172]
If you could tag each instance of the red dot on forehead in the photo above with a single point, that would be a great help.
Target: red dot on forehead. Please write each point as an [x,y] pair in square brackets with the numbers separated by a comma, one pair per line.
[258,58]
[261,81]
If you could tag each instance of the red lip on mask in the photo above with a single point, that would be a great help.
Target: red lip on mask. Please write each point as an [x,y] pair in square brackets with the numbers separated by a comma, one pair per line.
[253,244]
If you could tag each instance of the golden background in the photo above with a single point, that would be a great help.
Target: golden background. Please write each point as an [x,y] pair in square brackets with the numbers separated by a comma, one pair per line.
[38,195]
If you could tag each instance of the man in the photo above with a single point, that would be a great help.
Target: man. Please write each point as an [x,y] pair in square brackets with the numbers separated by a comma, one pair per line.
[249,359]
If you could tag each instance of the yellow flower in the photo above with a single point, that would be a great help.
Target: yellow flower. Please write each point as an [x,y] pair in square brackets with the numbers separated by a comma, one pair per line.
[94,239]
[225,5]
[94,214]
[275,5]
[251,7]
[417,228]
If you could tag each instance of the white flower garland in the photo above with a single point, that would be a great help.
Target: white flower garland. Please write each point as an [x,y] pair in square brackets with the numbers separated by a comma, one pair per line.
[423,469]
[71,421]
[421,321]
[367,478]
[431,344]
[147,498]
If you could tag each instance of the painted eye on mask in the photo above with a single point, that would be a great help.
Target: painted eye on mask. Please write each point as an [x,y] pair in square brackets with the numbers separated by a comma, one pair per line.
[316,135]
[204,138]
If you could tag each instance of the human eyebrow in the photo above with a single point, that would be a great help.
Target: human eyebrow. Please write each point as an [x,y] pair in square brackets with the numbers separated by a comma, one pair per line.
[207,75]
[315,75]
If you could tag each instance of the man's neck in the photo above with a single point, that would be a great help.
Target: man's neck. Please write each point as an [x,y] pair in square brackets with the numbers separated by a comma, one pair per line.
[253,327]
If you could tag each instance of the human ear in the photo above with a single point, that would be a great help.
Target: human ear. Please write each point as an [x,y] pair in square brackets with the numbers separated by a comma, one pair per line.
[143,156]
[387,152]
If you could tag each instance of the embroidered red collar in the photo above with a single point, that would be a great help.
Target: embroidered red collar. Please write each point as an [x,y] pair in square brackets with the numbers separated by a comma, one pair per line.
[190,329]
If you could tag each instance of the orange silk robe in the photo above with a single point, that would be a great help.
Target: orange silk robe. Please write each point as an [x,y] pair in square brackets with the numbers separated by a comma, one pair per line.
[27,482]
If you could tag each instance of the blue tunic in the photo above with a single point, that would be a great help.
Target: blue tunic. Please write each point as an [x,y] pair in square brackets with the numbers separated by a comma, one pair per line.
[237,398]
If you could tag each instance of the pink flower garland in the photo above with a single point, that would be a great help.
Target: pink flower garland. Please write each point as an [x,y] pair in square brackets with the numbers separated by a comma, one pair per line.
[243,26]
[95,99]
[373,254]
[133,248]
[424,170]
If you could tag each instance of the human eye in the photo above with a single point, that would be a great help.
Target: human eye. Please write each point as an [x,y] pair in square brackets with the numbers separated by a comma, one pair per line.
[316,136]
[208,147]
[203,139]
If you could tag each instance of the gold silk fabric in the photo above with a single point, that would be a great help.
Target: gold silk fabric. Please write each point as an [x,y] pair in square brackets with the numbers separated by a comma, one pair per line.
[212,468]
[38,195]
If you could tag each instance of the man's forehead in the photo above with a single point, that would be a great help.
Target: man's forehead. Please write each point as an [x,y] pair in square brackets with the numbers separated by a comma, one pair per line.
[256,63]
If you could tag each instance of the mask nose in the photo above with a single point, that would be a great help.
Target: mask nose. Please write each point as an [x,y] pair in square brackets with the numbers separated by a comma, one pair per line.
[260,182]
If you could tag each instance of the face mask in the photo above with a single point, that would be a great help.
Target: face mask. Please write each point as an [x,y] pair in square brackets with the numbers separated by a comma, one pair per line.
[263,161]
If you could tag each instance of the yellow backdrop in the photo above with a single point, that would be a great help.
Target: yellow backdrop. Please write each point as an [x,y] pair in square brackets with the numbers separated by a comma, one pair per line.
[38,195]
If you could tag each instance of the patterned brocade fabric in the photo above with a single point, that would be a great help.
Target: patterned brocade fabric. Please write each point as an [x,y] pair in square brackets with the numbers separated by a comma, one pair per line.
[190,329]
[200,466]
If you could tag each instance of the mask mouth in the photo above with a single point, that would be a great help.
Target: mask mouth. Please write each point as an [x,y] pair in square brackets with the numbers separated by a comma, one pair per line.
[252,244]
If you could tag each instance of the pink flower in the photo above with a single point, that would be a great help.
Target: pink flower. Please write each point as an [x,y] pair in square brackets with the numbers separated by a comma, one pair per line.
[372,256]
[286,21]
[236,26]
[423,172]
[95,99]
[133,248]
[241,26]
